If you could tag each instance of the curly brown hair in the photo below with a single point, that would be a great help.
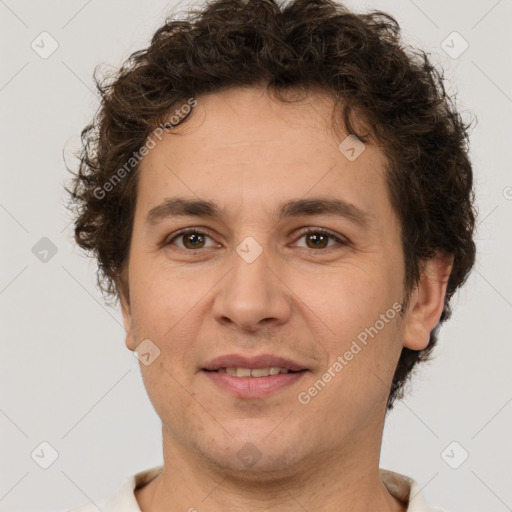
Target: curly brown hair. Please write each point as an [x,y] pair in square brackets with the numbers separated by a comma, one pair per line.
[359,59]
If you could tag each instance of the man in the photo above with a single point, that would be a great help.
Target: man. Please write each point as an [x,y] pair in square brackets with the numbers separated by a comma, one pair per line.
[280,196]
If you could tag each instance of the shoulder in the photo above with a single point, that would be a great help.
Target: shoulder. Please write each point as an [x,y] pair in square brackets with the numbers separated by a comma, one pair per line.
[123,499]
[407,490]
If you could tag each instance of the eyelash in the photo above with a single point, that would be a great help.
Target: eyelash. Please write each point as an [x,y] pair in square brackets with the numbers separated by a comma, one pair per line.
[306,231]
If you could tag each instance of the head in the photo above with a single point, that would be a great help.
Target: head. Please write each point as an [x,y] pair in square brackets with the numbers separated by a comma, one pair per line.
[247,106]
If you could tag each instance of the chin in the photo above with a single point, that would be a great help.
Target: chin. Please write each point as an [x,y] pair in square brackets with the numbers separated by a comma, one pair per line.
[265,469]
[253,455]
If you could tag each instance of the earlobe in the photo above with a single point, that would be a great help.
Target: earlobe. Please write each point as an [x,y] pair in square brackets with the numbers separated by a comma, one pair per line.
[427,302]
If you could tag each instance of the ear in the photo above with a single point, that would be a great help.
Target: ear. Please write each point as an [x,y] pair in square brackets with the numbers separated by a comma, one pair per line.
[427,302]
[124,298]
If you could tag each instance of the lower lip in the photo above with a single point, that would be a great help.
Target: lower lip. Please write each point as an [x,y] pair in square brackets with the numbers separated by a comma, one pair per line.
[253,387]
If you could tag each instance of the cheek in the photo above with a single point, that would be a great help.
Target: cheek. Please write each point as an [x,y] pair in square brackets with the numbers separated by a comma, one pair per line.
[163,314]
[162,298]
[352,314]
[346,299]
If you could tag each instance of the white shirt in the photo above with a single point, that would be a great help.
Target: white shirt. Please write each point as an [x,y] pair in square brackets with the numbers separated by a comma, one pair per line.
[123,500]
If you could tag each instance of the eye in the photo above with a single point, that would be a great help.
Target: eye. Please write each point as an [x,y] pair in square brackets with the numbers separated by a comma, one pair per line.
[192,239]
[317,238]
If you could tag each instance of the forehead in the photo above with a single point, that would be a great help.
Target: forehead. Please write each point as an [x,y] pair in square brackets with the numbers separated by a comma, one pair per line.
[244,147]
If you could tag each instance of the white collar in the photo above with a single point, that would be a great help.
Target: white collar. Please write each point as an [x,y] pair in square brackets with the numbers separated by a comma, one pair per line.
[400,486]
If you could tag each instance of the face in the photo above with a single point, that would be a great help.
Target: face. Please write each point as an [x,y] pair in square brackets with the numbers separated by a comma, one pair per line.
[315,286]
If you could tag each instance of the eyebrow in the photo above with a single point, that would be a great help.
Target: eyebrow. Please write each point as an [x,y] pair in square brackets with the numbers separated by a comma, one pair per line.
[182,207]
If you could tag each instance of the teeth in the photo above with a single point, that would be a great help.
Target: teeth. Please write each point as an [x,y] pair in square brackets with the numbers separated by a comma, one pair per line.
[254,372]
[243,372]
[260,372]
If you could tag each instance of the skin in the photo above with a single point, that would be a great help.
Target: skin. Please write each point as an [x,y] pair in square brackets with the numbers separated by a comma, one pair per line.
[248,152]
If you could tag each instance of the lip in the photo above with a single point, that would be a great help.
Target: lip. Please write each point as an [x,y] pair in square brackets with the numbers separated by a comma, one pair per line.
[253,387]
[254,362]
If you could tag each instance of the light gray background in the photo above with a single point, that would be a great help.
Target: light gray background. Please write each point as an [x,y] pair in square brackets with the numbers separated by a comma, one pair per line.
[67,377]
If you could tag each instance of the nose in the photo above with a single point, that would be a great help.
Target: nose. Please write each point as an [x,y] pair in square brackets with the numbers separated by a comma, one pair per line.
[253,296]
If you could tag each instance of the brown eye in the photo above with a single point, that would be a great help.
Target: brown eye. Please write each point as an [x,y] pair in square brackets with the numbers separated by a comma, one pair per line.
[319,239]
[190,240]
[193,240]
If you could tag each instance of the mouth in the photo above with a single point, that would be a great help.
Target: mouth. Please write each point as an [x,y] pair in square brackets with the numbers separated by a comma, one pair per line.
[254,372]
[253,377]
[244,366]
[246,387]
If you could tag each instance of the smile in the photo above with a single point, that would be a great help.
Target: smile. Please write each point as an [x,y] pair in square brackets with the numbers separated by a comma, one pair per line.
[244,384]
[253,372]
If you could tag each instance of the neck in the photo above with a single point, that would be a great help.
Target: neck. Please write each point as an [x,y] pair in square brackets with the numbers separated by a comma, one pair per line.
[345,479]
